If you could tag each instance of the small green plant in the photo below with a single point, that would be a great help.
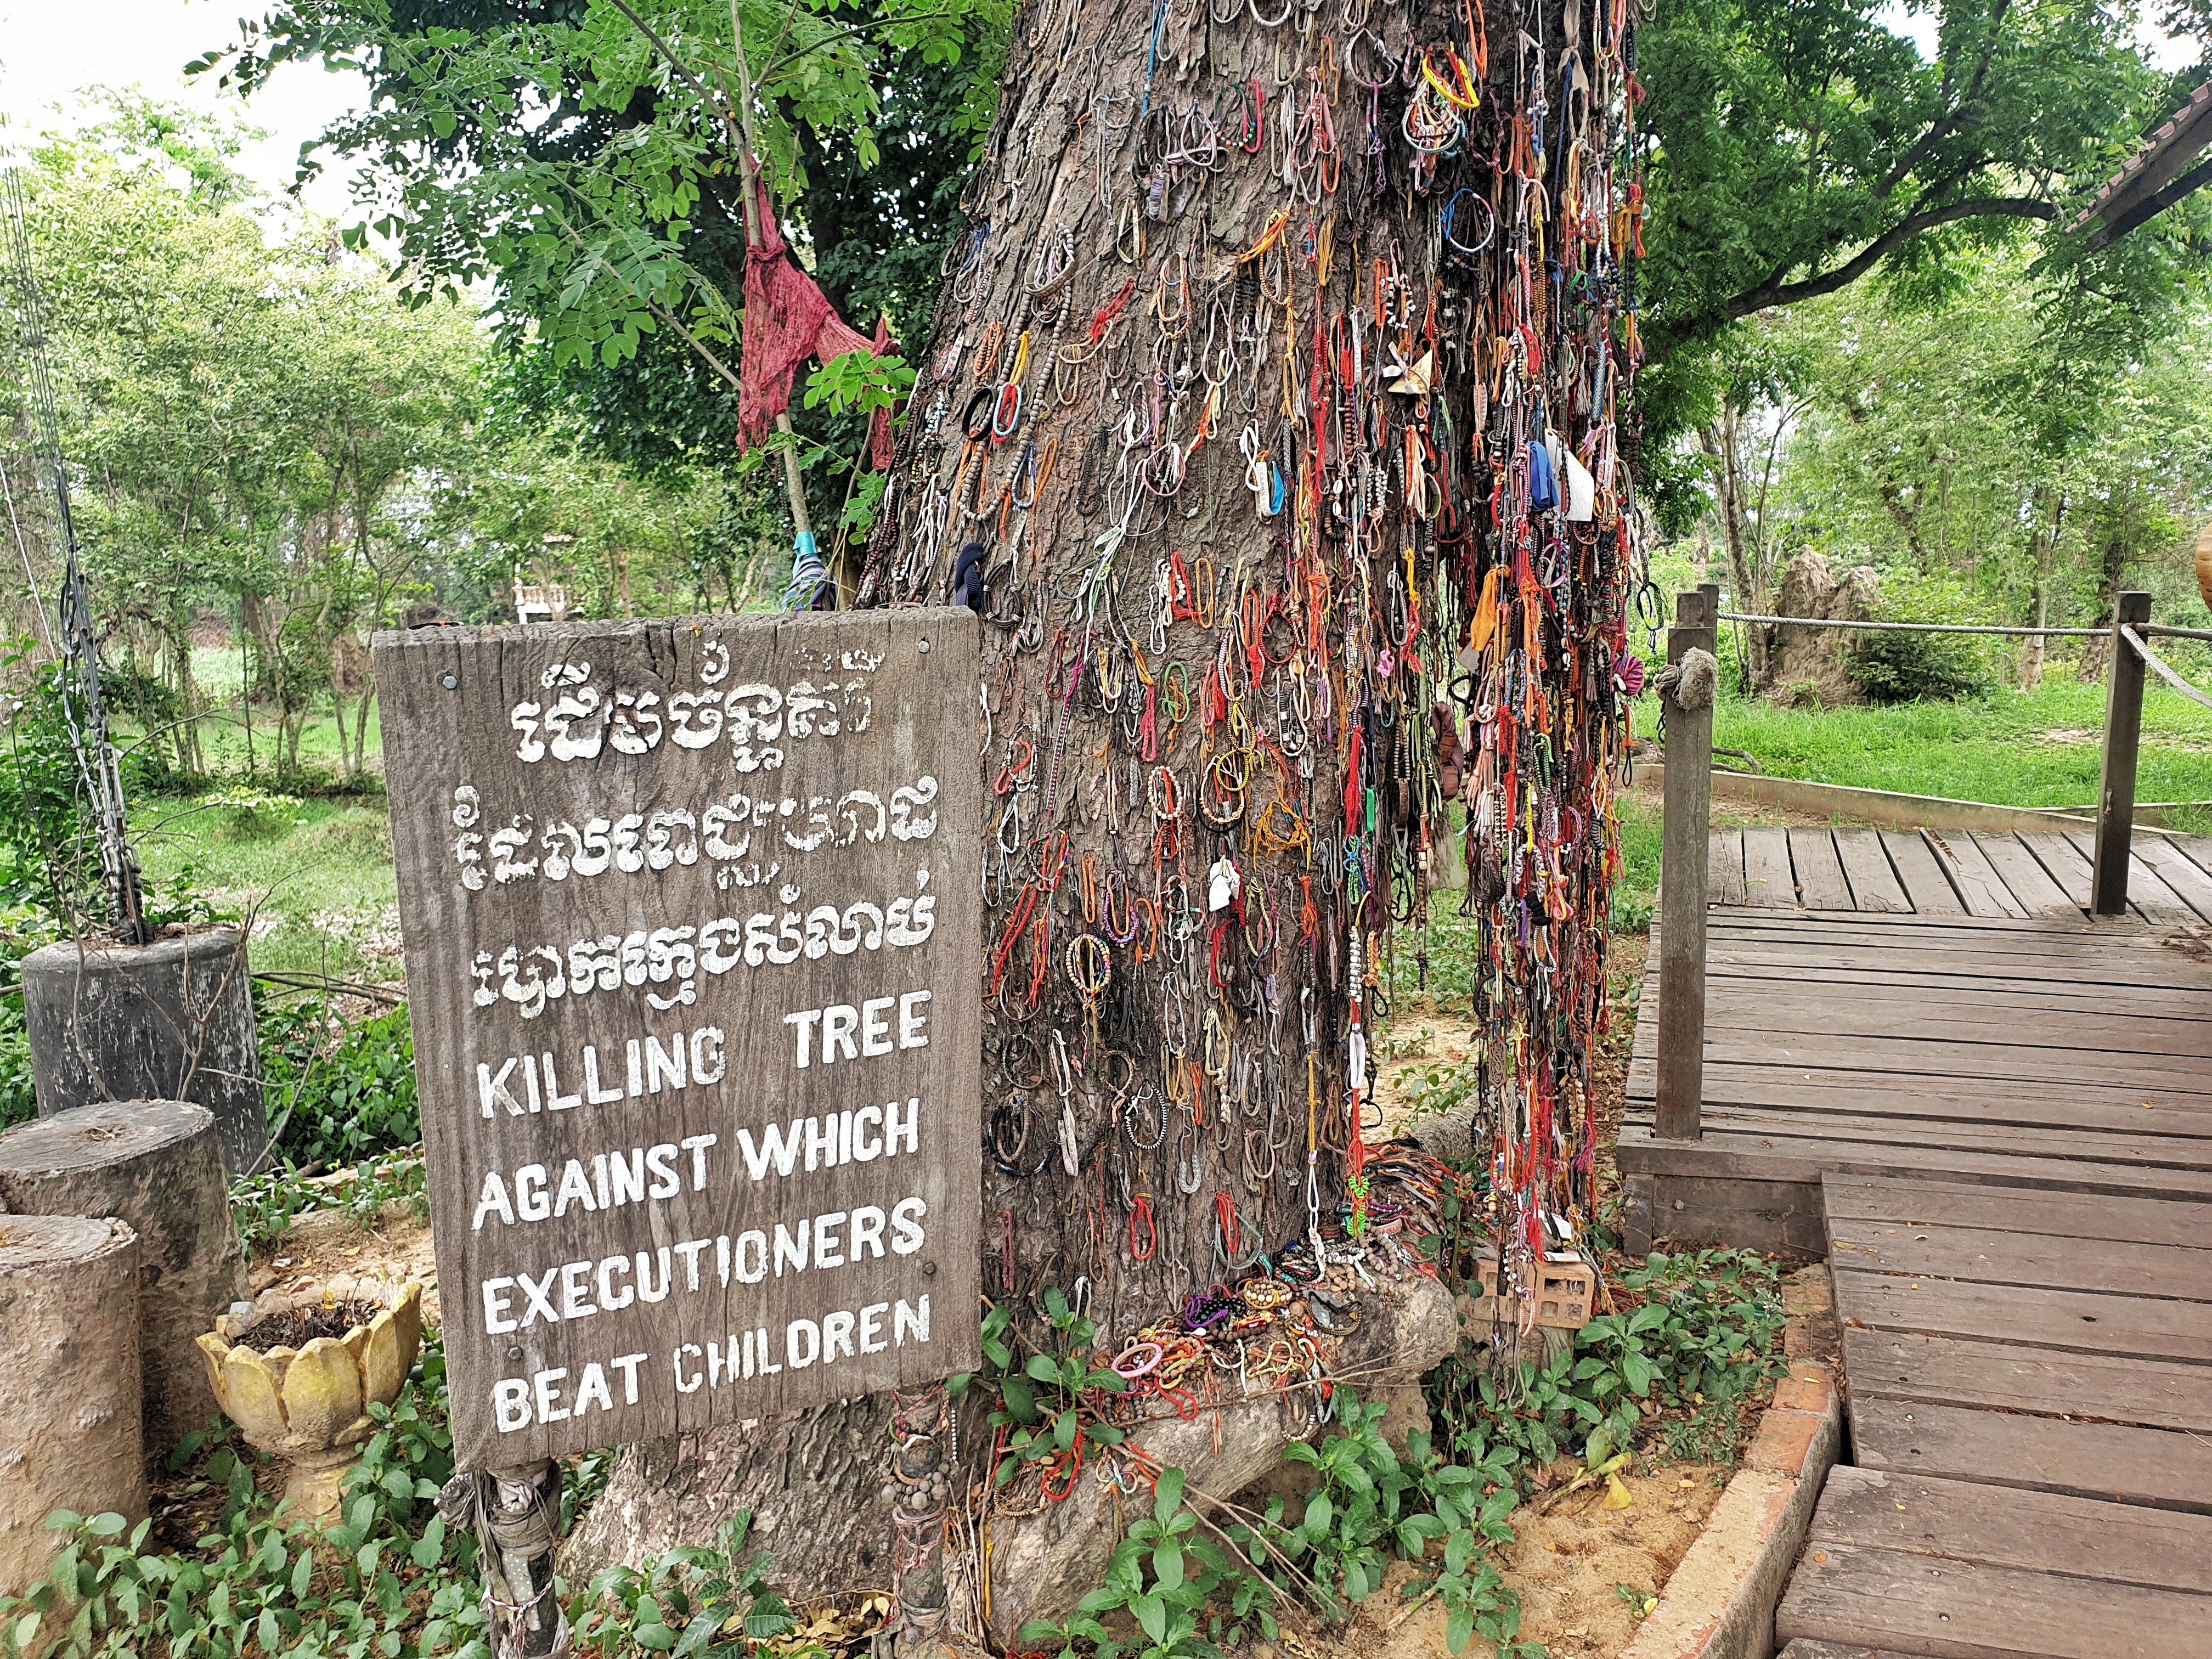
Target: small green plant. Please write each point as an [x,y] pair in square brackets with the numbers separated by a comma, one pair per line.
[689,1600]
[1359,1513]
[1440,1087]
[1711,1435]
[264,1206]
[1719,1312]
[1038,1403]
[1641,1603]
[261,1583]
[1372,1504]
[339,1091]
[247,810]
[1160,1577]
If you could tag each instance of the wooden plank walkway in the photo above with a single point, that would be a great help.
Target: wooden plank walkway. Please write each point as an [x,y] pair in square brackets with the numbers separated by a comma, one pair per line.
[1992,1113]
[2029,1375]
[2048,1052]
[1953,872]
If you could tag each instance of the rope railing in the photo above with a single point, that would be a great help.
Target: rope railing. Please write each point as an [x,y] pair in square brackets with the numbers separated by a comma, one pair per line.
[1923,627]
[2158,665]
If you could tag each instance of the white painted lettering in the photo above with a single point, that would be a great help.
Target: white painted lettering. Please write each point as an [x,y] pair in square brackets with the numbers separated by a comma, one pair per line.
[531,1203]
[493,1200]
[895,1131]
[906,1231]
[698,1146]
[804,1019]
[876,1031]
[549,1410]
[912,1020]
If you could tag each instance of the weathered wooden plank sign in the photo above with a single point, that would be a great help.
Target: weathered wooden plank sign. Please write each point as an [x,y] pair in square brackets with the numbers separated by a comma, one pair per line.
[691,938]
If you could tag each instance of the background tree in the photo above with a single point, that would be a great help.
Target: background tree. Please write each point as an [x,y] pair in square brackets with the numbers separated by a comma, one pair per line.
[1799,148]
[551,150]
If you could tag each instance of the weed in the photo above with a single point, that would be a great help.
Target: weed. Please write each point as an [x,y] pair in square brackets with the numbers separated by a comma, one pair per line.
[1711,1435]
[338,1090]
[264,1206]
[688,1600]
[1641,1603]
[261,1583]
[1161,1577]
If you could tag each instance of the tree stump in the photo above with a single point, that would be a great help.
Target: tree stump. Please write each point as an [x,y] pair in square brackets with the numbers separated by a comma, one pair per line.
[155,1163]
[68,1382]
[172,1020]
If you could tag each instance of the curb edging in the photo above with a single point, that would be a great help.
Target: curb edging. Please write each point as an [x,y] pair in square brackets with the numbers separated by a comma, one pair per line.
[1719,1601]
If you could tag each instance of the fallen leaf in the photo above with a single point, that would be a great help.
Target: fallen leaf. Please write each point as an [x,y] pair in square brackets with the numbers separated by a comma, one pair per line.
[1617,1497]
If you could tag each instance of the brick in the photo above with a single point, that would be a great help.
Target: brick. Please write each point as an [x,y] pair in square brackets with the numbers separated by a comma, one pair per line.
[1785,1441]
[1563,1299]
[1804,1393]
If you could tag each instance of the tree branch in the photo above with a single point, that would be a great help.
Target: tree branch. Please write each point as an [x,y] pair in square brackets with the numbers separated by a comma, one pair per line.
[1767,295]
[1949,124]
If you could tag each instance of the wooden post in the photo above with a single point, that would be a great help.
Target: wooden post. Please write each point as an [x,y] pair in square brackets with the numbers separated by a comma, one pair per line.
[1686,829]
[2116,794]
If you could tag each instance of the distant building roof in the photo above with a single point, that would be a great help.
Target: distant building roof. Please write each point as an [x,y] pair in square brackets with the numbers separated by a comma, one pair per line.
[2157,177]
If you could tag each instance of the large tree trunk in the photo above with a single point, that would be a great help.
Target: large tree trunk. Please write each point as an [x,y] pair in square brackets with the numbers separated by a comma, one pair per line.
[1259,465]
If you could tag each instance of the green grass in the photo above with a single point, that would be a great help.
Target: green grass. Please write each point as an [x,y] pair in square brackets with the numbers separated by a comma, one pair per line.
[317,877]
[2010,748]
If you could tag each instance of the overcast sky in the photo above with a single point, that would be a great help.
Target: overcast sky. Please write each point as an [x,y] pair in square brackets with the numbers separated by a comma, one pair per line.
[51,50]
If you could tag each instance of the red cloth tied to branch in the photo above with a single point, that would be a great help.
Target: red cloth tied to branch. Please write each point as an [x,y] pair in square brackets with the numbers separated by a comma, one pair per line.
[788,319]
[879,423]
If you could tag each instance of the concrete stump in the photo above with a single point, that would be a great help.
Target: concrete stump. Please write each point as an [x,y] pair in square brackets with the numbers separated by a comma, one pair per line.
[68,1382]
[172,1020]
[156,1164]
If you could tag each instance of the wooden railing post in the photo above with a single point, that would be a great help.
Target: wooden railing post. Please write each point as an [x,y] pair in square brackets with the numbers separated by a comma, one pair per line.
[2116,794]
[1686,829]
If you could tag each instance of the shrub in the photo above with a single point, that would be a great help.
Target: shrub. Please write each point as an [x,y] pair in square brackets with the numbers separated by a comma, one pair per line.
[337,1093]
[1917,667]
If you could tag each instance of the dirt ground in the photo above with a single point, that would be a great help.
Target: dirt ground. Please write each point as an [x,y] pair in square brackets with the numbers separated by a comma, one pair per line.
[1573,1566]
[324,1244]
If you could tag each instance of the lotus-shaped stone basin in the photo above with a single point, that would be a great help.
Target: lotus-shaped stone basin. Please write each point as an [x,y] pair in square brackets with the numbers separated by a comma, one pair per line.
[308,1405]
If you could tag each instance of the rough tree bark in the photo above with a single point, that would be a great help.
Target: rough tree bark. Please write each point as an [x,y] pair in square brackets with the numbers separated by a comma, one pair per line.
[1253,429]
[68,1382]
[156,1164]
[172,1020]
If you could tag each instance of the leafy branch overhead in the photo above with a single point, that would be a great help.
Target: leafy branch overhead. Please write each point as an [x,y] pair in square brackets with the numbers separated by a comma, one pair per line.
[582,158]
[1802,146]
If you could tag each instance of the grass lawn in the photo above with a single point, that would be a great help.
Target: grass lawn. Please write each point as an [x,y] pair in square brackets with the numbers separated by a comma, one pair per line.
[317,878]
[2010,748]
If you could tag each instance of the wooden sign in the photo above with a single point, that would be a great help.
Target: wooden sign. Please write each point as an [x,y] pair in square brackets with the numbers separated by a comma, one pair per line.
[692,934]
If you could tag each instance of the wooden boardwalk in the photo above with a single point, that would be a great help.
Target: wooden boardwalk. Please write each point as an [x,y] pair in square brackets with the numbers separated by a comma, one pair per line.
[1953,872]
[1993,1115]
[2029,1375]
[2045,1053]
